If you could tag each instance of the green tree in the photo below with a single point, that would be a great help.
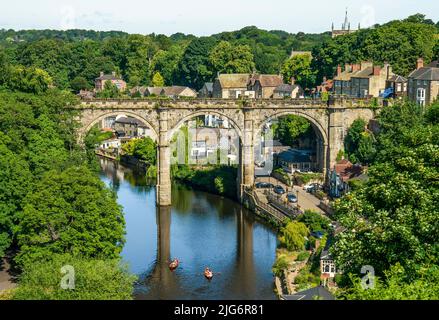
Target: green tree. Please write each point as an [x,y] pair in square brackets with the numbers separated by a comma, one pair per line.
[95,279]
[226,58]
[195,68]
[299,68]
[359,143]
[293,235]
[157,80]
[79,83]
[395,285]
[291,128]
[166,62]
[70,212]
[15,183]
[110,91]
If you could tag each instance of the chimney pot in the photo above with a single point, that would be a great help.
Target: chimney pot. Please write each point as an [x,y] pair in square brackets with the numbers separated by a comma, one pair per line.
[419,63]
[293,80]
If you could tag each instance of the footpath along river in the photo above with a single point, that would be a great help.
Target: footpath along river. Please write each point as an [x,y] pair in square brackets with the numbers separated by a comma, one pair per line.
[201,230]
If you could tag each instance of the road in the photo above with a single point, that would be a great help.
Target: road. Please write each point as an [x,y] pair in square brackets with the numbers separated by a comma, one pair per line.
[306,200]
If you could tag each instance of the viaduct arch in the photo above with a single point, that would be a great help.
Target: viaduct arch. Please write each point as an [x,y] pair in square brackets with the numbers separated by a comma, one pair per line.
[329,119]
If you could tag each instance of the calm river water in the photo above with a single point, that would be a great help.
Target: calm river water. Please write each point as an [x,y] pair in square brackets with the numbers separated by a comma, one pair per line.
[201,230]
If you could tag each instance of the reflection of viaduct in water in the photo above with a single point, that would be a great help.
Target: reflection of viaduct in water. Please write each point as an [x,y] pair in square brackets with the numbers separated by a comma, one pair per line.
[330,121]
[242,275]
[245,272]
[166,280]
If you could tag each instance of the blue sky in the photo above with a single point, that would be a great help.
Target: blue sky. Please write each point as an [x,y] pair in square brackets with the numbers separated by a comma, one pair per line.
[205,17]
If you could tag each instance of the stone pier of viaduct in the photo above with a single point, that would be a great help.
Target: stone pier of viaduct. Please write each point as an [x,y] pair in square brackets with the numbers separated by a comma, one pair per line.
[330,121]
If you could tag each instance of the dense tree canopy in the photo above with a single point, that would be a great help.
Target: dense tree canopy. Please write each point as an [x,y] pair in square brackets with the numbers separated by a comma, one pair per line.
[399,43]
[394,218]
[359,143]
[290,129]
[299,68]
[226,58]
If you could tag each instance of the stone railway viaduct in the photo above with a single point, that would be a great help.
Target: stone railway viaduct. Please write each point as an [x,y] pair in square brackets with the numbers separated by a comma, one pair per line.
[330,120]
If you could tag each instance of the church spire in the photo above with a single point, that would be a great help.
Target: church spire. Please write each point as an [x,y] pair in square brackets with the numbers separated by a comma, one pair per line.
[346,21]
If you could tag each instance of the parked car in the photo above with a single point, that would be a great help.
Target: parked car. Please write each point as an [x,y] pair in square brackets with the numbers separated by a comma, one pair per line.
[264,185]
[307,187]
[260,164]
[318,234]
[292,198]
[279,190]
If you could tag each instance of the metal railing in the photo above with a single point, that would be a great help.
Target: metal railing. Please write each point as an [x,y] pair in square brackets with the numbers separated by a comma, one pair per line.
[265,207]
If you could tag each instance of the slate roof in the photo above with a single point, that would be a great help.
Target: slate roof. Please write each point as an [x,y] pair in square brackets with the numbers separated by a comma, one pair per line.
[209,86]
[268,80]
[366,73]
[295,156]
[174,90]
[319,293]
[155,90]
[426,73]
[286,88]
[129,121]
[235,80]
[397,78]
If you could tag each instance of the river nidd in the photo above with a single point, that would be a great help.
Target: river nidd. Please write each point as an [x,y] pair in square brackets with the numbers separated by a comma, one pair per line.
[201,230]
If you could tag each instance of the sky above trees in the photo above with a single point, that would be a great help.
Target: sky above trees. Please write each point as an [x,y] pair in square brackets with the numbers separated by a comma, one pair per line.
[195,17]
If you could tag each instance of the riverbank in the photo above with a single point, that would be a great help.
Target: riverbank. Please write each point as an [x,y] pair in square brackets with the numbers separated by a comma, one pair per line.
[7,283]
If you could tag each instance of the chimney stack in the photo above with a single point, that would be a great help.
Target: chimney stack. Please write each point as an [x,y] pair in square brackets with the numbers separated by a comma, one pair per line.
[376,70]
[102,73]
[355,67]
[338,70]
[114,73]
[293,81]
[324,79]
[419,63]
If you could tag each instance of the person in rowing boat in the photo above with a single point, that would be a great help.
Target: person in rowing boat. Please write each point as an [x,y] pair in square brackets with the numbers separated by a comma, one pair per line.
[208,273]
[174,264]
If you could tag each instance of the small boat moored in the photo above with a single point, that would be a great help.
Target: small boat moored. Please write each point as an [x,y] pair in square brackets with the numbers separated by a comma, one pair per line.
[208,274]
[174,264]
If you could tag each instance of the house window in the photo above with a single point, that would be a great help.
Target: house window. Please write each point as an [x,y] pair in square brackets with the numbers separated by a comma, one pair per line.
[398,87]
[420,96]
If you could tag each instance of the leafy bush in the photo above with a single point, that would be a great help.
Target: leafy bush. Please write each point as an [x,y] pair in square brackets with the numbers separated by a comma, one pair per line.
[280,265]
[94,279]
[314,221]
[302,256]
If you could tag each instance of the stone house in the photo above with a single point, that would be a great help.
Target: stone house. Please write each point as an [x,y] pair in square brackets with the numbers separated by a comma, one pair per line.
[293,160]
[370,81]
[103,78]
[206,91]
[153,91]
[264,85]
[423,83]
[283,91]
[342,80]
[230,86]
[173,92]
[126,126]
